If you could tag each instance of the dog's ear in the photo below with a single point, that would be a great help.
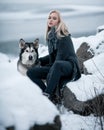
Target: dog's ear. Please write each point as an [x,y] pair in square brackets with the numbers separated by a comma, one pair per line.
[36,43]
[21,43]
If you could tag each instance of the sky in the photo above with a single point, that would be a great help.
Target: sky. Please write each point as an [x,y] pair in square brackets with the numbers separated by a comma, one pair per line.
[28,18]
[54,1]
[22,103]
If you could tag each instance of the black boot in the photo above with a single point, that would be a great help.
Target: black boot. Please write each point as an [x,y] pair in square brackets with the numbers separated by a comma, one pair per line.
[46,94]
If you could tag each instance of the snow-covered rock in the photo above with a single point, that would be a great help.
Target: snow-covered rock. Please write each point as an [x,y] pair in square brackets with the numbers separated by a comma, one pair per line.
[21,101]
[22,104]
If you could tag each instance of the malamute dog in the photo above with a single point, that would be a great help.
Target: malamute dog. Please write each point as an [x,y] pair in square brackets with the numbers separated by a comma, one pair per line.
[28,56]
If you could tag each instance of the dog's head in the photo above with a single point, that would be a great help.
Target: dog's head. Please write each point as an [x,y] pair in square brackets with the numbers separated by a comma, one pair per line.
[28,52]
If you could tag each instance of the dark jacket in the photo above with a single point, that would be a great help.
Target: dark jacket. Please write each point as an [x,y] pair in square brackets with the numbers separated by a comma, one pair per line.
[63,50]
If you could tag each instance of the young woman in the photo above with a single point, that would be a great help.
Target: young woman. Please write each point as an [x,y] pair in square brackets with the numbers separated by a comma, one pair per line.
[61,63]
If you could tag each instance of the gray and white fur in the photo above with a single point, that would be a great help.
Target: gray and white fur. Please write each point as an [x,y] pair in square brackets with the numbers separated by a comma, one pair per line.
[28,56]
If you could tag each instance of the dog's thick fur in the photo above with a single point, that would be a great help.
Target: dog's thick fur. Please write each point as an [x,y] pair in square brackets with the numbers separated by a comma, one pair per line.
[28,56]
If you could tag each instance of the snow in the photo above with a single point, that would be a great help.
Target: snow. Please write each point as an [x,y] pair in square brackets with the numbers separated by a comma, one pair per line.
[23,105]
[94,41]
[21,101]
[75,122]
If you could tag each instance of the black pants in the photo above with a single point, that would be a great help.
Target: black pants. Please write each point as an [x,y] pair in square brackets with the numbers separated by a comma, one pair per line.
[52,75]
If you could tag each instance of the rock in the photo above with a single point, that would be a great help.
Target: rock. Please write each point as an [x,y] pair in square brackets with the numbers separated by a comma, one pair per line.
[55,126]
[84,54]
[96,105]
[10,128]
[100,28]
[93,106]
[71,103]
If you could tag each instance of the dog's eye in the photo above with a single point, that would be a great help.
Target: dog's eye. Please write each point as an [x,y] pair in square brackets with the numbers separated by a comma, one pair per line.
[27,51]
[32,50]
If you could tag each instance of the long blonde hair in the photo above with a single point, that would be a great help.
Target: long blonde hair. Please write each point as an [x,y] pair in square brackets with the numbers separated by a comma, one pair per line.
[61,29]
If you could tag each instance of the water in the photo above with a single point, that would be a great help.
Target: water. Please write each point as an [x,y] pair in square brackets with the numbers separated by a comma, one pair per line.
[28,20]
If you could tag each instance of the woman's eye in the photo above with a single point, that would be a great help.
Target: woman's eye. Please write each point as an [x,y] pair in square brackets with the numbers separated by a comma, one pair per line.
[49,17]
[54,18]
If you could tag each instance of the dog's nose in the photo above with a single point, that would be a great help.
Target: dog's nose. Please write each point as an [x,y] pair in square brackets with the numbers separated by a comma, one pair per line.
[30,57]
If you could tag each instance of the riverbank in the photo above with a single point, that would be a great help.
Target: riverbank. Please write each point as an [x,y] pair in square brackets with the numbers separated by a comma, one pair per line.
[11,47]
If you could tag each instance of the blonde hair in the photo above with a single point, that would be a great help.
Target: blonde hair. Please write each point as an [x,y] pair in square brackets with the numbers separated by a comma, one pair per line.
[61,29]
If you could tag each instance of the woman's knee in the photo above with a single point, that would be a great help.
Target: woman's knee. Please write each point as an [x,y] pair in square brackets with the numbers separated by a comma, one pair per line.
[57,65]
[32,72]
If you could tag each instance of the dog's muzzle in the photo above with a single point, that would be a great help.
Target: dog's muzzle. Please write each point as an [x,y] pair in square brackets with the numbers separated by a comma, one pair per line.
[30,58]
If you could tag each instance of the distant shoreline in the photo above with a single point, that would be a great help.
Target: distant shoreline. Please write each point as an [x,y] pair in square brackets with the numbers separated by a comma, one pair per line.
[11,47]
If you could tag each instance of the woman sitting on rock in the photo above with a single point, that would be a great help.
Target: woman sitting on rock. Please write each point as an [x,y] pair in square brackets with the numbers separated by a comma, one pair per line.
[61,63]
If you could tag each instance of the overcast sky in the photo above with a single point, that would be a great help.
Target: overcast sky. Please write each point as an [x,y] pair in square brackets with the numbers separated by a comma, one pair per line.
[93,2]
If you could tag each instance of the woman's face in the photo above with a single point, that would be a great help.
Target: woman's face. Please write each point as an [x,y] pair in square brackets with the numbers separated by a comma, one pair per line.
[53,20]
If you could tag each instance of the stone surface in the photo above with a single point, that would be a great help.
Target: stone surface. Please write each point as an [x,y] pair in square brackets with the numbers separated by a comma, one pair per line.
[55,126]
[93,106]
[84,54]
